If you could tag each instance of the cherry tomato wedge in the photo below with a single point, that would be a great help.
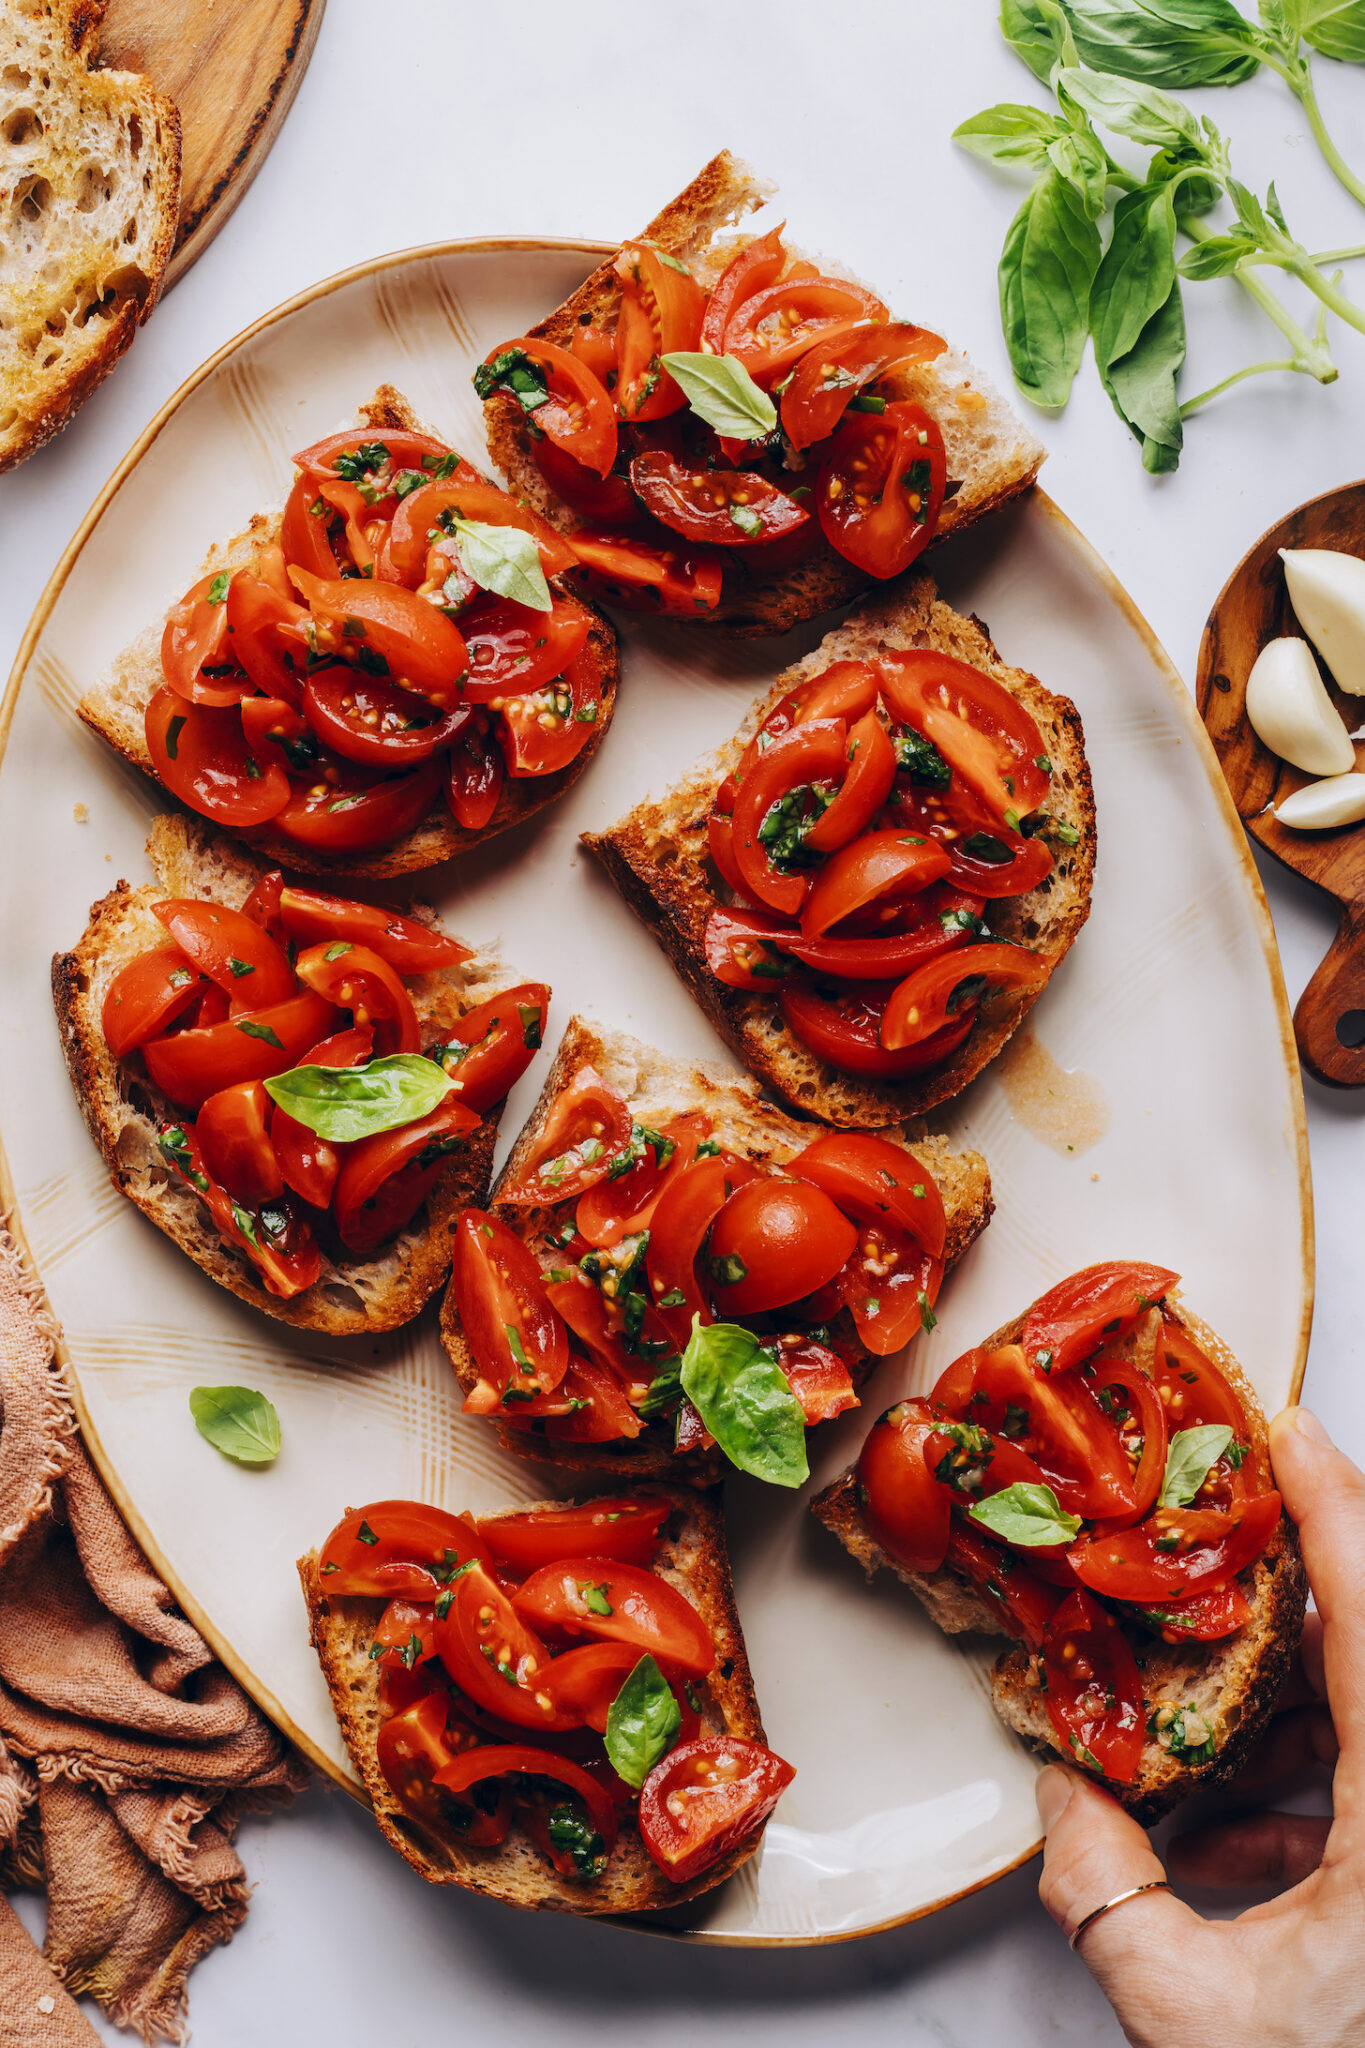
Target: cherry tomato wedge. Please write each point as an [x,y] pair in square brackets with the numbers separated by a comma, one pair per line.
[385,1179]
[1065,1325]
[306,529]
[233,1129]
[908,1510]
[681,581]
[392,628]
[829,377]
[819,1379]
[807,755]
[231,949]
[605,500]
[307,1162]
[357,979]
[759,264]
[987,858]
[979,727]
[774,327]
[366,719]
[871,1179]
[383,450]
[493,1760]
[1131,1401]
[577,414]
[255,612]
[397,1550]
[197,659]
[514,651]
[728,508]
[492,1045]
[359,811]
[201,756]
[660,314]
[867,784]
[1210,1548]
[584,1682]
[1094,1690]
[1020,1598]
[1192,1390]
[407,945]
[880,488]
[147,995]
[774,1242]
[474,776]
[626,1202]
[621,1526]
[189,1066]
[1058,1423]
[545,731]
[934,994]
[844,1029]
[500,1296]
[1207,1618]
[684,1213]
[617,1603]
[601,1411]
[876,864]
[588,1126]
[705,1798]
[493,1655]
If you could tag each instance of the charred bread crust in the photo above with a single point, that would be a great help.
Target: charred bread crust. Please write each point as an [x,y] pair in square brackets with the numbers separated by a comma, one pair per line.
[1235,1683]
[114,708]
[694,1560]
[123,1110]
[658,858]
[659,1088]
[996,454]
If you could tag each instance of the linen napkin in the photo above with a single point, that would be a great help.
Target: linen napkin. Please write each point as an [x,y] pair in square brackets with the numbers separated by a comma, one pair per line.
[127,1755]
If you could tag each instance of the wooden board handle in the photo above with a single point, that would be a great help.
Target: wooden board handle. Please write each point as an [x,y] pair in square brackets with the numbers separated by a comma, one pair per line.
[1330,1019]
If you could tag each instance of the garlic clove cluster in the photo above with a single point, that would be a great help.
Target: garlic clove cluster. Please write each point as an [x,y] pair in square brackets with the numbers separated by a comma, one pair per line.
[1287,701]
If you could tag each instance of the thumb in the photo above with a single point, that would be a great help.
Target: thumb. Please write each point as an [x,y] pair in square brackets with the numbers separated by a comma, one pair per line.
[1095,1852]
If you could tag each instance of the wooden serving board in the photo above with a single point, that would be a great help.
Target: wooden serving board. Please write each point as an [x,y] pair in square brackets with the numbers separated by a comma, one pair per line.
[232,67]
[1254,607]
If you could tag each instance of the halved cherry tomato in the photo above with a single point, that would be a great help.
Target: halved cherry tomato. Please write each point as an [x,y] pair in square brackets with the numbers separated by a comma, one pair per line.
[202,758]
[411,1747]
[1192,1389]
[987,857]
[308,1163]
[801,311]
[1057,1422]
[501,1296]
[705,1798]
[584,1682]
[1022,1599]
[599,1326]
[398,1550]
[567,1599]
[545,731]
[492,1760]
[908,1509]
[758,264]
[934,994]
[255,612]
[366,719]
[844,1029]
[305,529]
[1209,1549]
[404,1634]
[147,995]
[876,864]
[403,448]
[809,754]
[866,786]
[262,906]
[231,949]
[774,1242]
[606,500]
[474,776]
[625,1527]
[392,628]
[597,1410]
[357,979]
[829,377]
[1132,1403]
[880,488]
[887,1284]
[588,1126]
[385,1179]
[818,1377]
[419,515]
[275,1240]
[408,946]
[625,1202]
[277,734]
[1065,1325]
[873,1180]
[685,1211]
[1094,1690]
[681,581]
[728,508]
[189,1066]
[744,948]
[514,650]
[1207,1618]
[577,413]
[234,1137]
[196,658]
[493,1655]
[660,314]
[979,727]
[359,810]
[492,1045]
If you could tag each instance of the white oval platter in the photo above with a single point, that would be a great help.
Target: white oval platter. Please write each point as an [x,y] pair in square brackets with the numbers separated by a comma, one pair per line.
[1184,1105]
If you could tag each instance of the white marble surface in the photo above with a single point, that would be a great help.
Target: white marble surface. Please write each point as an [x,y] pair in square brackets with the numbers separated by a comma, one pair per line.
[418,121]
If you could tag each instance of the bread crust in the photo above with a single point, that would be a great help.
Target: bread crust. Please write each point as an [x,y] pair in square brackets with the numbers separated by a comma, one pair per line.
[693,1559]
[114,709]
[1235,1683]
[992,456]
[657,1089]
[123,1110]
[658,857]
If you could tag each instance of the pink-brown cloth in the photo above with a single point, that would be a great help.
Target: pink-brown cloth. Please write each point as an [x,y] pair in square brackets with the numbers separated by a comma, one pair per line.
[127,1754]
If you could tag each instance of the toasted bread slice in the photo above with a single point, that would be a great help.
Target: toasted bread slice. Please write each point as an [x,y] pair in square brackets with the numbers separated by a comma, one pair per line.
[116,705]
[658,857]
[992,456]
[123,1110]
[90,161]
[694,1560]
[658,1088]
[1231,1685]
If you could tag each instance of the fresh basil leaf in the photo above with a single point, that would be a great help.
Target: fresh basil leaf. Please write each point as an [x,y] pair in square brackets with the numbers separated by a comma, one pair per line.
[1142,112]
[1142,387]
[1079,156]
[720,391]
[504,559]
[1008,134]
[237,1421]
[1174,43]
[1134,281]
[1039,31]
[1336,27]
[1048,263]
[1190,1458]
[1217,257]
[344,1103]
[642,1723]
[1027,1514]
[746,1402]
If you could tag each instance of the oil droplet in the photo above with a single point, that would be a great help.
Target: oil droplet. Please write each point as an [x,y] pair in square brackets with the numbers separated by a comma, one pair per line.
[1060,1106]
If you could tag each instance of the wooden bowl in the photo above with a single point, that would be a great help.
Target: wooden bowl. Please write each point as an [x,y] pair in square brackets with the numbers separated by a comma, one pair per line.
[1252,608]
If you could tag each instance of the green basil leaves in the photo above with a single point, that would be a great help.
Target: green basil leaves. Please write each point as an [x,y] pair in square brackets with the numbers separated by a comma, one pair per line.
[1190,1457]
[237,1421]
[720,391]
[642,1723]
[1047,269]
[745,1400]
[1027,1514]
[344,1103]
[501,558]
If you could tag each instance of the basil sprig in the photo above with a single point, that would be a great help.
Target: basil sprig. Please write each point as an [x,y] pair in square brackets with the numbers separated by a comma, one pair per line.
[720,391]
[345,1103]
[1027,1514]
[642,1723]
[1190,1457]
[501,558]
[237,1421]
[745,1400]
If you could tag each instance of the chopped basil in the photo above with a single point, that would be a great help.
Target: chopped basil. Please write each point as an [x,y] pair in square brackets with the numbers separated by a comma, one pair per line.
[334,952]
[218,589]
[239,967]
[969,990]
[665,1390]
[964,921]
[595,1598]
[173,731]
[570,1833]
[985,846]
[513,371]
[921,760]
[529,1014]
[261,1031]
[782,834]
[179,977]
[1185,1732]
[927,1319]
[747,520]
[729,1271]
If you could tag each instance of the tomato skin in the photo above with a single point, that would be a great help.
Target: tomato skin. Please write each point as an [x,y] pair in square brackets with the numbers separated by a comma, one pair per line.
[1192,1389]
[1022,1599]
[953,818]
[572,705]
[812,753]
[599,1327]
[359,812]
[819,1379]
[845,1032]
[514,650]
[742,1784]
[660,314]
[146,996]
[307,1162]
[679,581]
[870,1178]
[1074,1444]
[1130,1567]
[231,949]
[648,1613]
[584,1682]
[622,1527]
[605,1413]
[358,979]
[578,415]
[727,508]
[908,1510]
[255,611]
[927,999]
[191,1065]
[502,1036]
[880,488]
[408,946]
[806,309]
[588,1126]
[1067,1322]
[384,1181]
[876,864]
[982,731]
[1087,1661]
[417,1743]
[474,776]
[338,703]
[412,638]
[785,1238]
[195,639]
[867,784]
[758,264]
[506,1683]
[497,1283]
[616,1207]
[411,1542]
[1207,1618]
[493,1760]
[814,402]
[684,1213]
[606,500]
[286,1258]
[201,756]
[471,498]
[1145,1412]
[745,948]
[234,1137]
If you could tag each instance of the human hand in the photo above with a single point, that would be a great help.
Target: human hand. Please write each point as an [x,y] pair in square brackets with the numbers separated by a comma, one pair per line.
[1286,1974]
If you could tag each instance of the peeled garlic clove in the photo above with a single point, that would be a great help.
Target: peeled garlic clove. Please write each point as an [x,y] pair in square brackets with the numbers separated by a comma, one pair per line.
[1290,710]
[1320,805]
[1327,591]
